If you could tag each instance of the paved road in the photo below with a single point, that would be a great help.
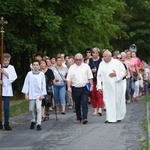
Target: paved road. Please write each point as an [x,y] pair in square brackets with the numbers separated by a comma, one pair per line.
[65,135]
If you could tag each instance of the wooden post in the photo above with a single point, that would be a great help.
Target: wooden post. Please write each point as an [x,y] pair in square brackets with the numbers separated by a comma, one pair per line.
[2,22]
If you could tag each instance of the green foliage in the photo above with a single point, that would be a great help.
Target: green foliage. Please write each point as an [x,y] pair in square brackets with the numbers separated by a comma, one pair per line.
[70,26]
[139,26]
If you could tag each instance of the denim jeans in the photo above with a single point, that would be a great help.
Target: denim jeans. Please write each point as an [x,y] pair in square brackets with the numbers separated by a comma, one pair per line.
[80,96]
[6,103]
[59,94]
[132,85]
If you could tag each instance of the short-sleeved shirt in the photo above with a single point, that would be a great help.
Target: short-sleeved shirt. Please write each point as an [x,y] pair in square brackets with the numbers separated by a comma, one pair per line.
[79,75]
[132,62]
[59,74]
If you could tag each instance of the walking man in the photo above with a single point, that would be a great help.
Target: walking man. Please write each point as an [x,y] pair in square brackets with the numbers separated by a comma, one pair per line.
[109,81]
[79,75]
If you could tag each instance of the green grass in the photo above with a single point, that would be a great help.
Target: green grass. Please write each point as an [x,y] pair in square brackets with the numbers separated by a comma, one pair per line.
[19,107]
[145,142]
[146,98]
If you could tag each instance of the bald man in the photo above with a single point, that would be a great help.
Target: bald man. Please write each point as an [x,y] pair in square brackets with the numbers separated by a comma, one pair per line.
[109,81]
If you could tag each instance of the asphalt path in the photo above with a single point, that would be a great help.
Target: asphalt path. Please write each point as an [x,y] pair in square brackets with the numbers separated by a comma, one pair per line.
[64,134]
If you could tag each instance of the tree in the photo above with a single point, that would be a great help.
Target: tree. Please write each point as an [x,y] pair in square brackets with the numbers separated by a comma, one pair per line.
[138,26]
[88,23]
[33,26]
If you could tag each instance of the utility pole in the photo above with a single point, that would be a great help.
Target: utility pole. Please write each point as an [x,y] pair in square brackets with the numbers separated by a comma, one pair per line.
[2,22]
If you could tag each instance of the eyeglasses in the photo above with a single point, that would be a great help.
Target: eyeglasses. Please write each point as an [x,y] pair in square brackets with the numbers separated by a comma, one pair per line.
[88,52]
[119,57]
[78,59]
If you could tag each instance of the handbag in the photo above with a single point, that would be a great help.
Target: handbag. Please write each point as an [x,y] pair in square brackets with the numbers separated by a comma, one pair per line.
[60,75]
[135,76]
[47,100]
[49,89]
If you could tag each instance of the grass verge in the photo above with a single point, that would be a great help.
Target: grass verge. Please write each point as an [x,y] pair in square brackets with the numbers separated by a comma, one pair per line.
[18,107]
[145,142]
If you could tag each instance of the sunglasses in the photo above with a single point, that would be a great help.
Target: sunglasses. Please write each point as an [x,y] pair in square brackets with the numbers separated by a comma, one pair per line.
[88,52]
[119,57]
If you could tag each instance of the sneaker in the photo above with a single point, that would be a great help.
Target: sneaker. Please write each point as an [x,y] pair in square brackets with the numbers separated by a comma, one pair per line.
[38,127]
[51,109]
[32,125]
[128,101]
[7,127]
[70,107]
[85,121]
[78,121]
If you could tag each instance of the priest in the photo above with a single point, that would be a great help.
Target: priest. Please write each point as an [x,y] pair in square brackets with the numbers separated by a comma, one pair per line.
[109,82]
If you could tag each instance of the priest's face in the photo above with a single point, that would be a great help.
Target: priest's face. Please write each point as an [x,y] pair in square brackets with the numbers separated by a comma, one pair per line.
[106,56]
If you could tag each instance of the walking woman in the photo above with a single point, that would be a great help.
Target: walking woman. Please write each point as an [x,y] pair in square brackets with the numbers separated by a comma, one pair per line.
[47,101]
[134,72]
[60,85]
[96,96]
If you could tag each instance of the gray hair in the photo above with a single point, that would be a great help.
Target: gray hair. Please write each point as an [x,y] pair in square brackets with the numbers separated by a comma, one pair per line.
[107,51]
[78,55]
[123,53]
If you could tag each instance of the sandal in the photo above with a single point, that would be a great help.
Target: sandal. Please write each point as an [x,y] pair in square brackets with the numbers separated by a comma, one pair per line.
[63,112]
[47,117]
[43,119]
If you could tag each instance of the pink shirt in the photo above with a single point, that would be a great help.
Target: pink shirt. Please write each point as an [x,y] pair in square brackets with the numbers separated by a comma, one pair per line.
[139,63]
[132,62]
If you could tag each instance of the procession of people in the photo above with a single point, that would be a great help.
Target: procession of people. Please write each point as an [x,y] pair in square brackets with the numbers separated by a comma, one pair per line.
[110,81]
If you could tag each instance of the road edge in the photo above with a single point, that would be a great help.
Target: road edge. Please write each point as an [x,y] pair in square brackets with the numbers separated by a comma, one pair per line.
[148,121]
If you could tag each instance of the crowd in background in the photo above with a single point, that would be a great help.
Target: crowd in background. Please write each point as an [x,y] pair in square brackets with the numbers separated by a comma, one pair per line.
[136,80]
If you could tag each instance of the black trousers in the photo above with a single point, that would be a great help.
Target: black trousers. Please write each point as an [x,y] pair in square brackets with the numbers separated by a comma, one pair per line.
[80,96]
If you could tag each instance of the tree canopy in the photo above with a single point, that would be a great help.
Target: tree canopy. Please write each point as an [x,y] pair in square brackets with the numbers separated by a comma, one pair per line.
[70,26]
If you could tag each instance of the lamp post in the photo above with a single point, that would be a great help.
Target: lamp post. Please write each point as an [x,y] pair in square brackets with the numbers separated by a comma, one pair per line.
[2,22]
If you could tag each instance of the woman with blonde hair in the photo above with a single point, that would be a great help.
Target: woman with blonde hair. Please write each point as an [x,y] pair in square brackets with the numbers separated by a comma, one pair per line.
[96,96]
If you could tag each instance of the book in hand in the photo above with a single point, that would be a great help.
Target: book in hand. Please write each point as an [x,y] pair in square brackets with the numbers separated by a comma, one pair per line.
[88,85]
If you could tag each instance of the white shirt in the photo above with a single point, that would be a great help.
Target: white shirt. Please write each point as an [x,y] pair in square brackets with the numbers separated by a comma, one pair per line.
[7,81]
[79,75]
[34,85]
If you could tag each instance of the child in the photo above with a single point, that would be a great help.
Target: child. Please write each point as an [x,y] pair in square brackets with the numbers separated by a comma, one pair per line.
[8,77]
[34,89]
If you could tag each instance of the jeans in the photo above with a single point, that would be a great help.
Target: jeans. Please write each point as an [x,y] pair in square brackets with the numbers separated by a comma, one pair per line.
[6,103]
[132,85]
[80,96]
[59,94]
[32,104]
